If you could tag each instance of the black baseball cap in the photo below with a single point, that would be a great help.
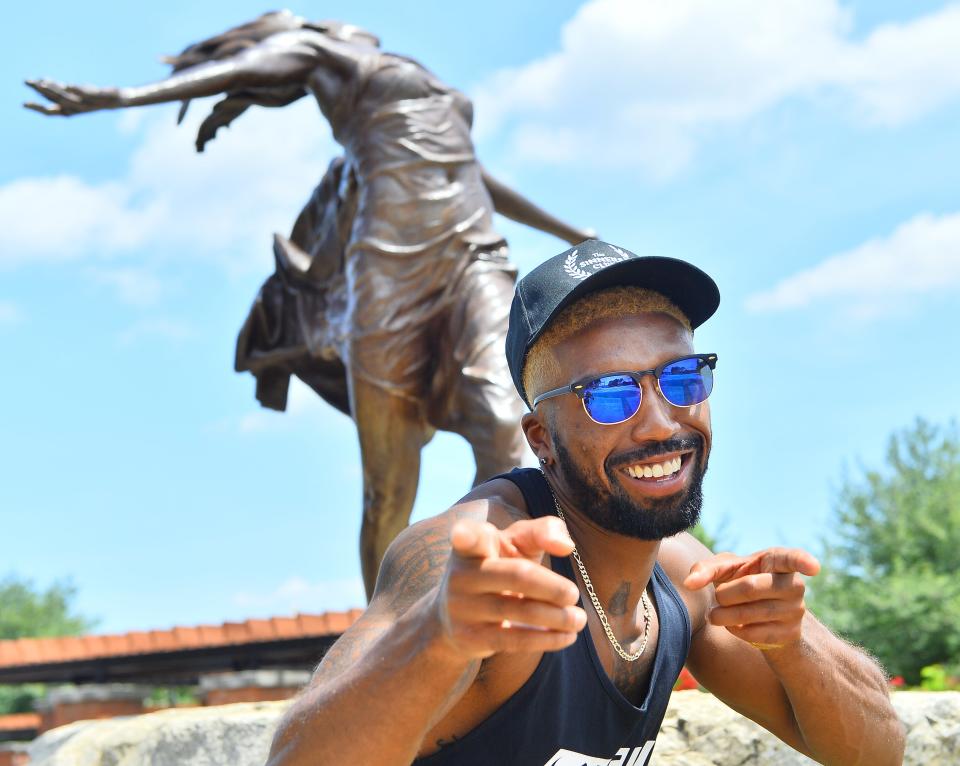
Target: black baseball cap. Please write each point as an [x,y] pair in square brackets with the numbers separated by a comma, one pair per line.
[594,265]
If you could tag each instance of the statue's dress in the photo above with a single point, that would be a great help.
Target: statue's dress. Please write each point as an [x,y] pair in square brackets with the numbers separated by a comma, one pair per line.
[421,306]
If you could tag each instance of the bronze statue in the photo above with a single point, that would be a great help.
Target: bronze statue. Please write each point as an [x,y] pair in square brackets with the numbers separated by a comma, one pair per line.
[391,296]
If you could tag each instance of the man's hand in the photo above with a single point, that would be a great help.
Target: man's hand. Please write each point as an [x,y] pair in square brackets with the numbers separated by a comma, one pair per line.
[760,596]
[496,594]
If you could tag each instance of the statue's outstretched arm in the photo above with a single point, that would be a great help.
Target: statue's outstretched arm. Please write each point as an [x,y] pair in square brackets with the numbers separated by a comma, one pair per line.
[270,63]
[515,206]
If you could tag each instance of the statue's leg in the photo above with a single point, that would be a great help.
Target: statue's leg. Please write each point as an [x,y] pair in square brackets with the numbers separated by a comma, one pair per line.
[486,408]
[392,432]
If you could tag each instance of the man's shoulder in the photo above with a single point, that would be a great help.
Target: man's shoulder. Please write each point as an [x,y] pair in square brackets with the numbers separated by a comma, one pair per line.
[680,552]
[498,500]
[676,556]
[416,559]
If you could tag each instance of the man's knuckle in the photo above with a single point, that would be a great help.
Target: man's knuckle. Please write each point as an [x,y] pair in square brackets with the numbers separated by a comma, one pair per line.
[523,568]
[569,620]
[500,608]
[725,597]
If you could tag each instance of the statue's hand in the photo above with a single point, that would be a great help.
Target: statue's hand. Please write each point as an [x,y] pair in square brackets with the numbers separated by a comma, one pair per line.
[72,99]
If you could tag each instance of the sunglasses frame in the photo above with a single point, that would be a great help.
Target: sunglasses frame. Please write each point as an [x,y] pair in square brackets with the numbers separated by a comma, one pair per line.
[579,386]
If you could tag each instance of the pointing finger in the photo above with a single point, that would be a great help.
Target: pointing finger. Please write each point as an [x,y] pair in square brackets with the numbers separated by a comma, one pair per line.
[717,568]
[786,560]
[726,566]
[537,536]
[474,539]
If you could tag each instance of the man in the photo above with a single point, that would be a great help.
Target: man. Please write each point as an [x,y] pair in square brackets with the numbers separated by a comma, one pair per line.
[473,649]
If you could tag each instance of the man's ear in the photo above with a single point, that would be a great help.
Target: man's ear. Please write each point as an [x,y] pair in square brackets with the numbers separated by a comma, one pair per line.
[537,431]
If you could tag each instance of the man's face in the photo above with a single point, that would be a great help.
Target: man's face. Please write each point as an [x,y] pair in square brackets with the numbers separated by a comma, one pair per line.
[599,468]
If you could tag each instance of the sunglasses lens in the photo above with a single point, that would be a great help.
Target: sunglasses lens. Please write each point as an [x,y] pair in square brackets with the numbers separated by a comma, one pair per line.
[611,398]
[686,382]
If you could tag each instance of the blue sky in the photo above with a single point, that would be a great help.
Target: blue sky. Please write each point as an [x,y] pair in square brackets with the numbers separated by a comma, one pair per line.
[802,152]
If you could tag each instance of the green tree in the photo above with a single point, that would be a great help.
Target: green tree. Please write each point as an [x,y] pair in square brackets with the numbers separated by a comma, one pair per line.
[28,612]
[889,580]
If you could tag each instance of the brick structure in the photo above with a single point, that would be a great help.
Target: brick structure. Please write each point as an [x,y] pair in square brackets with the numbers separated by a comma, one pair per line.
[13,754]
[179,656]
[15,730]
[18,726]
[252,686]
[82,703]
[111,675]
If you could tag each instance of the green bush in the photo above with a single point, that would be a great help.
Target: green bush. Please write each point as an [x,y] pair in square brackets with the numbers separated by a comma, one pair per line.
[28,612]
[889,580]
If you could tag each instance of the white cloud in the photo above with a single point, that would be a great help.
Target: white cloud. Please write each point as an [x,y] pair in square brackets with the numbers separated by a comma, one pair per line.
[223,204]
[297,594]
[156,327]
[903,71]
[135,287]
[640,82]
[62,218]
[303,404]
[9,313]
[921,256]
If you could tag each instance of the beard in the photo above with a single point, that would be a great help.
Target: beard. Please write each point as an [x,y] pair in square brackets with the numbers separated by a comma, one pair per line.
[616,511]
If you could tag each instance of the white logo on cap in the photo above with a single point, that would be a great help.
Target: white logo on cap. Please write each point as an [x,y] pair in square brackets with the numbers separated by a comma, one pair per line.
[578,269]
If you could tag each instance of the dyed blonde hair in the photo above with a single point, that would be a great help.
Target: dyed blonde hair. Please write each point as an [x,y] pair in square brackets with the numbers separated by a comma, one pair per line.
[541,366]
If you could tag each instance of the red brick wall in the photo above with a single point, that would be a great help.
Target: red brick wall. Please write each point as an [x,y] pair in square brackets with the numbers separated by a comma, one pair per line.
[85,711]
[249,694]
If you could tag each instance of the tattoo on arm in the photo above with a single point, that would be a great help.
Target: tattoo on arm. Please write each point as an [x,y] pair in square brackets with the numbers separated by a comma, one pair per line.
[410,569]
[415,567]
[350,648]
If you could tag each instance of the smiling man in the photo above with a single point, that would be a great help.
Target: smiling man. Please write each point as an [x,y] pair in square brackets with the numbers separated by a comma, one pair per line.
[544,618]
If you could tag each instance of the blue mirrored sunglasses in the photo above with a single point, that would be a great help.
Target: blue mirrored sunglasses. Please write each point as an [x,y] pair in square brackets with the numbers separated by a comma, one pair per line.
[615,397]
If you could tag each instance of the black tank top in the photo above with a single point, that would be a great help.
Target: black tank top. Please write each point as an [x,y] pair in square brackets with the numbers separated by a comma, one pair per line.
[569,713]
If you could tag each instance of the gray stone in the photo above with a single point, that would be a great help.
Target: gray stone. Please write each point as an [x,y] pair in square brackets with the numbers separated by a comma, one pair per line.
[933,727]
[234,735]
[264,679]
[697,731]
[69,695]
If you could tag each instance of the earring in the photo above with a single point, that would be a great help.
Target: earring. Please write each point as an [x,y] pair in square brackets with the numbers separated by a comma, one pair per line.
[543,461]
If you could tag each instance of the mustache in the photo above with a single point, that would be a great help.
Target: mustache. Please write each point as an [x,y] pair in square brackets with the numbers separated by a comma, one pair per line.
[655,449]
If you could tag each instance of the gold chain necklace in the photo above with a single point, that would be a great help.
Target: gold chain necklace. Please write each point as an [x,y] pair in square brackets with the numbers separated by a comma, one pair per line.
[596,601]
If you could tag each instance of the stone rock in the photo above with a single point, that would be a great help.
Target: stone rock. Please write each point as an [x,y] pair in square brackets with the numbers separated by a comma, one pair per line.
[238,735]
[698,731]
[933,727]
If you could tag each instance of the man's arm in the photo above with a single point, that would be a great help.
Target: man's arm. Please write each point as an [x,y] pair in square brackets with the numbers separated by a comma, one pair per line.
[446,597]
[763,654]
